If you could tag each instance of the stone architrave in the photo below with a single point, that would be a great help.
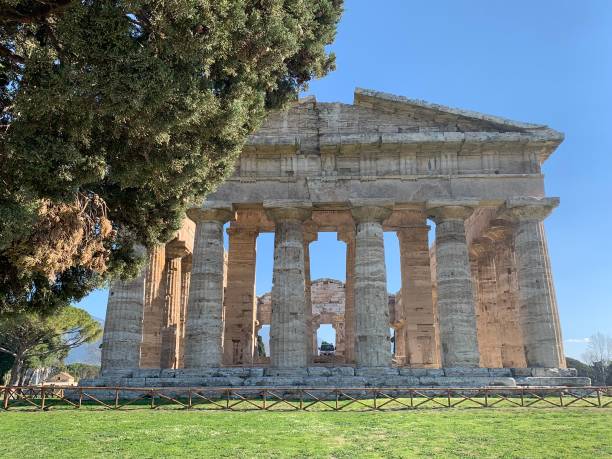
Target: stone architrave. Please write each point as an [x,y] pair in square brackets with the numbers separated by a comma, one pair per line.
[419,332]
[204,327]
[155,293]
[455,296]
[288,335]
[538,315]
[240,301]
[372,340]
[123,326]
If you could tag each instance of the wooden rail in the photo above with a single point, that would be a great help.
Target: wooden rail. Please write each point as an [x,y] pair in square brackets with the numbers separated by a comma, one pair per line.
[43,398]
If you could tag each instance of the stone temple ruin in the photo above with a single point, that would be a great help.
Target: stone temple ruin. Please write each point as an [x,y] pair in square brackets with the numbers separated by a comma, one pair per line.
[477,308]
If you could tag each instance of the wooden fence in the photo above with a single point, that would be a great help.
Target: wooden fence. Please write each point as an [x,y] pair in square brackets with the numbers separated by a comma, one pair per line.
[44,398]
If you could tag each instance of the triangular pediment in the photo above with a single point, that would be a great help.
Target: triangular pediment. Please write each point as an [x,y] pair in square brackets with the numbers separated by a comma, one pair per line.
[376,117]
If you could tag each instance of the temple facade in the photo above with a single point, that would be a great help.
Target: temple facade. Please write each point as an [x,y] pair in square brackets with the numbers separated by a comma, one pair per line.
[481,296]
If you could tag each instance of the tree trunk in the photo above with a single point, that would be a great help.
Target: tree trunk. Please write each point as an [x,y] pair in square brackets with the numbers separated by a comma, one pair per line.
[16,370]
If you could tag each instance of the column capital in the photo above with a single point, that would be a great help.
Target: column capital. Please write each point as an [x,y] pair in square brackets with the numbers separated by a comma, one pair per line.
[481,247]
[281,209]
[176,249]
[441,211]
[528,209]
[212,211]
[413,233]
[245,231]
[371,210]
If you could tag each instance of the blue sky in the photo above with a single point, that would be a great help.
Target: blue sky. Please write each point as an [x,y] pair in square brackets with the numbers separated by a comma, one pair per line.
[543,62]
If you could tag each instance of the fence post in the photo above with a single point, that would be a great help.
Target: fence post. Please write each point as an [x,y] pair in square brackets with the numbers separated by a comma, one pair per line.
[598,390]
[42,397]
[7,392]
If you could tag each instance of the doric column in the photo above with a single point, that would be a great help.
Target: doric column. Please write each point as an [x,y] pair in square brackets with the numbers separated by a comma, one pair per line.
[538,315]
[512,348]
[416,297]
[455,296]
[185,280]
[314,323]
[240,300]
[340,337]
[288,337]
[486,296]
[123,324]
[372,340]
[204,328]
[309,236]
[155,293]
[347,235]
[171,332]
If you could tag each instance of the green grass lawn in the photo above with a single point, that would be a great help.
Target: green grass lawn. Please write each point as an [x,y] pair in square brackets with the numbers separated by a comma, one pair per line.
[499,432]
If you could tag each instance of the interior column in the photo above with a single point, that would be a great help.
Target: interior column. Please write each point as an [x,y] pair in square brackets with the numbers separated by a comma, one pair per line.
[240,299]
[416,296]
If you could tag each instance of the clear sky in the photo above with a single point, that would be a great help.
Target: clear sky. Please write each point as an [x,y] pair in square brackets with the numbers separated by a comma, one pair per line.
[536,61]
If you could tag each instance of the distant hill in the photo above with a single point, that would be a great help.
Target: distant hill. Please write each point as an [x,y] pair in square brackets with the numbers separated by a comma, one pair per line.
[87,353]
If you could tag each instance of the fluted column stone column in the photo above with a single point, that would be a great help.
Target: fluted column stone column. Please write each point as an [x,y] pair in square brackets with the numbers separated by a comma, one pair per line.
[372,340]
[170,332]
[123,325]
[538,315]
[310,331]
[347,235]
[288,329]
[155,293]
[486,295]
[204,328]
[185,280]
[419,334]
[240,299]
[455,295]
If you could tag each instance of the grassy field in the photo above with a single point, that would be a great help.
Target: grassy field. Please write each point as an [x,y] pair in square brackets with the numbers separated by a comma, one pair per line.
[500,432]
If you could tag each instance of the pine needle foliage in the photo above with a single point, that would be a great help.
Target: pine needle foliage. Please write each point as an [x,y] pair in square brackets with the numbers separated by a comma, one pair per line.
[116,114]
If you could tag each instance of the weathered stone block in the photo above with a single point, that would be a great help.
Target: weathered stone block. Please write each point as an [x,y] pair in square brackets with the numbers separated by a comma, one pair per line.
[286,372]
[466,381]
[521,372]
[133,382]
[553,372]
[394,381]
[413,371]
[168,373]
[319,371]
[376,371]
[435,372]
[464,371]
[555,381]
[343,371]
[500,372]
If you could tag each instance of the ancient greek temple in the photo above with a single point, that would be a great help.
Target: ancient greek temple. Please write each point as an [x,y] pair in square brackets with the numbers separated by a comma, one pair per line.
[478,302]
